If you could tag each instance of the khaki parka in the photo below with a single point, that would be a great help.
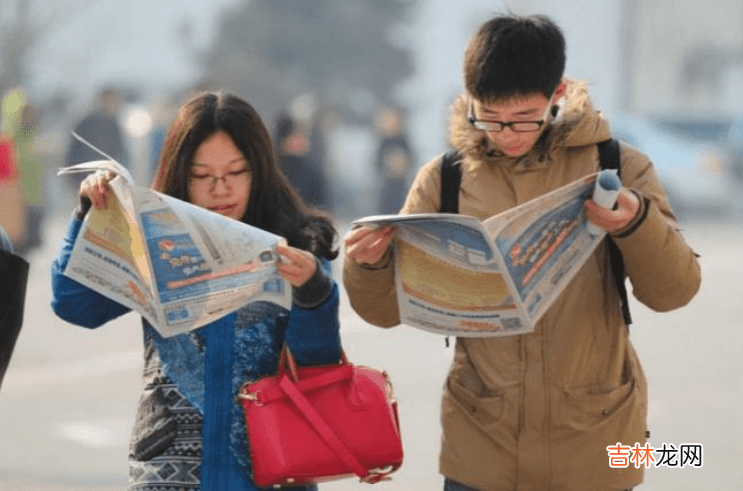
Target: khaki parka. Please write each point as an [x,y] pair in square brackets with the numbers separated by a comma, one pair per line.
[536,412]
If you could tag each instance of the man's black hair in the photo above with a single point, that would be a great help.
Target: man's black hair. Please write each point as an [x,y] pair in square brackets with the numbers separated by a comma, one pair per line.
[512,56]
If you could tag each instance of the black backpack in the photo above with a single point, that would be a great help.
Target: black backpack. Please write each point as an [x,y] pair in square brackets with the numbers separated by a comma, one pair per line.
[451,176]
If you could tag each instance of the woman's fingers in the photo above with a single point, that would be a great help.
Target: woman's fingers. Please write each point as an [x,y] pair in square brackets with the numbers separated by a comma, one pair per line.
[95,187]
[296,266]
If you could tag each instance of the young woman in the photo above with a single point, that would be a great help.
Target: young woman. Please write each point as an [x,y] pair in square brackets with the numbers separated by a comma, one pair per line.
[190,432]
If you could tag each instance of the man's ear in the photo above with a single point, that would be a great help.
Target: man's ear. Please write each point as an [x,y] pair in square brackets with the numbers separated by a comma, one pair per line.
[560,92]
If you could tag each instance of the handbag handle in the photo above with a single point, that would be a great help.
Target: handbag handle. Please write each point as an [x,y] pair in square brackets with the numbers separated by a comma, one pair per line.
[327,434]
[288,365]
[268,394]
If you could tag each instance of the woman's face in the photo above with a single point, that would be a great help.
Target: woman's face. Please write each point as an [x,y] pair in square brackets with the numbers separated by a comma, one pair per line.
[220,177]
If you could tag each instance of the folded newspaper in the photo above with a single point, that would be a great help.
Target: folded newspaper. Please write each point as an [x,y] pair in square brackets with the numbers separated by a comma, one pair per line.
[457,275]
[178,265]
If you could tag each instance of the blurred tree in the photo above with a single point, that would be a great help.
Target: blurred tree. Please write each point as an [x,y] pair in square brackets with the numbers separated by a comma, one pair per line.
[23,23]
[16,40]
[342,51]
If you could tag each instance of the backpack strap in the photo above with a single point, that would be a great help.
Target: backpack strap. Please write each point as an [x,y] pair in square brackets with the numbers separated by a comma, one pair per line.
[609,158]
[451,177]
[609,155]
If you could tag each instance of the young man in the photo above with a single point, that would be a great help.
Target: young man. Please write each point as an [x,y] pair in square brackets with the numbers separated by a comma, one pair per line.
[537,411]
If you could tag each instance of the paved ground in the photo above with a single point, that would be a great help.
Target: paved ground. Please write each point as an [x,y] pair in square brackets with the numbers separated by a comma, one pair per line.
[68,400]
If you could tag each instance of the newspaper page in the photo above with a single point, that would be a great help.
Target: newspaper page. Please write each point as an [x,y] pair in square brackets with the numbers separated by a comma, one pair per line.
[178,265]
[456,275]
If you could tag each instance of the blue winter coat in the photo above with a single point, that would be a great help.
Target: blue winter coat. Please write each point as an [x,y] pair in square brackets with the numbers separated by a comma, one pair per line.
[190,432]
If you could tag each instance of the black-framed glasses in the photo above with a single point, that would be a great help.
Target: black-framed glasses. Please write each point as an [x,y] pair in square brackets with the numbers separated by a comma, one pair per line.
[498,126]
[209,181]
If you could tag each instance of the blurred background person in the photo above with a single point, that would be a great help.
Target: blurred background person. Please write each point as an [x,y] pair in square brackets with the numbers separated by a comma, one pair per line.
[394,159]
[32,175]
[162,114]
[12,194]
[320,126]
[295,161]
[101,128]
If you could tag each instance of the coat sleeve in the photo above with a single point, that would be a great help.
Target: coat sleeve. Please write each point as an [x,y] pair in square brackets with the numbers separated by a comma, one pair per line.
[313,334]
[371,288]
[663,270]
[5,243]
[72,301]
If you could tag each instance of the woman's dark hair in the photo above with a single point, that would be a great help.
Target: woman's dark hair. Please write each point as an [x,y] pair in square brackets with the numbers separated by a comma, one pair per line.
[513,56]
[273,205]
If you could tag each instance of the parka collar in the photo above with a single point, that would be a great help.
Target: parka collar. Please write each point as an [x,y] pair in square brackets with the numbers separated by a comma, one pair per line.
[576,123]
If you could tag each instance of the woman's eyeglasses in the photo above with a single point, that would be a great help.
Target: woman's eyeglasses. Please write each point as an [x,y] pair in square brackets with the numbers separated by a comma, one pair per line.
[209,181]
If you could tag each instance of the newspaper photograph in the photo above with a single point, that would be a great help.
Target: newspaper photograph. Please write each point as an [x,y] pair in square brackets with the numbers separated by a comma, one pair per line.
[178,265]
[457,275]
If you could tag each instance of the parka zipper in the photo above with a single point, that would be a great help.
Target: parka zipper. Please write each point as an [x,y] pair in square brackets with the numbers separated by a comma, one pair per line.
[218,374]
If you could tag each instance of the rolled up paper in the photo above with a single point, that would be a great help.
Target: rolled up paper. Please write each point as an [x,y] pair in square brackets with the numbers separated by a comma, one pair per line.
[605,194]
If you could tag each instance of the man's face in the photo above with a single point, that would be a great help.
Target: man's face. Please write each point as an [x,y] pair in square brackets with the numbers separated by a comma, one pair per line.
[515,113]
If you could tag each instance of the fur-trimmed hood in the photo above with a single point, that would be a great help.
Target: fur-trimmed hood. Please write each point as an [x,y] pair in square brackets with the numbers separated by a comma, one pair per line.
[576,123]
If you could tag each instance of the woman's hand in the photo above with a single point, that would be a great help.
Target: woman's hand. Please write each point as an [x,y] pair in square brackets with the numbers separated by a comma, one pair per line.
[297,266]
[626,209]
[95,187]
[367,245]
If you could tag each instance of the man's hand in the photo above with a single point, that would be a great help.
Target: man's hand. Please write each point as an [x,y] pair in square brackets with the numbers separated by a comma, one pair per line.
[626,209]
[366,245]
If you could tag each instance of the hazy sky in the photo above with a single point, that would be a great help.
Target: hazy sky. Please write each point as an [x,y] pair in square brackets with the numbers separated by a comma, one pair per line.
[135,40]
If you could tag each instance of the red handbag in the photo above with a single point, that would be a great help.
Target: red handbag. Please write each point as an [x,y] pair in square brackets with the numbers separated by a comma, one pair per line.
[318,423]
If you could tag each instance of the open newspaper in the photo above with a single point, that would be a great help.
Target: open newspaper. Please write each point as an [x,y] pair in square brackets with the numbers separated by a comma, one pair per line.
[457,275]
[180,266]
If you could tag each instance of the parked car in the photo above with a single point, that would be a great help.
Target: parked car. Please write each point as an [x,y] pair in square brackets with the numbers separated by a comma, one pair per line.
[735,146]
[689,156]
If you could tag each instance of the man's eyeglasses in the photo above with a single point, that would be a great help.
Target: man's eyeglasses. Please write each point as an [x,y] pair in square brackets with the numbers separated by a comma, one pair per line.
[498,126]
[209,181]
